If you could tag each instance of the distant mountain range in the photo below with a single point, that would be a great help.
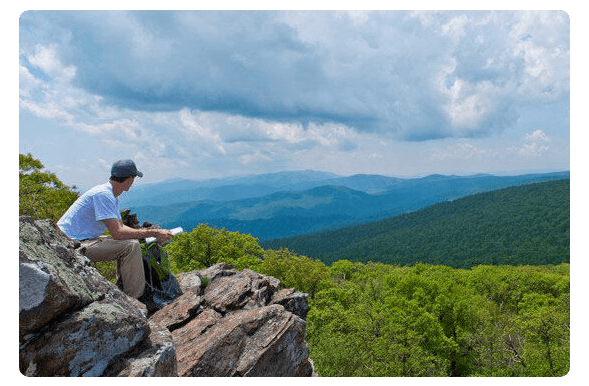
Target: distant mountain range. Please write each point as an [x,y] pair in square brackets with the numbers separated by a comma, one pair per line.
[517,225]
[289,203]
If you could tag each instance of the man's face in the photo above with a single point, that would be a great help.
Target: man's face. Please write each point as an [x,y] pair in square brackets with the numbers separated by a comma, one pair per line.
[127,184]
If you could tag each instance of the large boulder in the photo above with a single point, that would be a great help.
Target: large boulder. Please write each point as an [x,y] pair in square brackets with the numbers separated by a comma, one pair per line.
[72,321]
[263,341]
[236,327]
[51,279]
[154,357]
[86,341]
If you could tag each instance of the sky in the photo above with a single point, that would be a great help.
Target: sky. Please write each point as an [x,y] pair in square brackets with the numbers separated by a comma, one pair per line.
[210,94]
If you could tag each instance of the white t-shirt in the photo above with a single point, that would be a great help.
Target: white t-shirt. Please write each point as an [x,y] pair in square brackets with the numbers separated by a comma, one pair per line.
[83,220]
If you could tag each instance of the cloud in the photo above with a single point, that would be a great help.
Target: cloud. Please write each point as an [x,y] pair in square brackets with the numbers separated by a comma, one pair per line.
[45,59]
[411,76]
[46,110]
[258,156]
[535,144]
[191,127]
[464,152]
[196,92]
[28,82]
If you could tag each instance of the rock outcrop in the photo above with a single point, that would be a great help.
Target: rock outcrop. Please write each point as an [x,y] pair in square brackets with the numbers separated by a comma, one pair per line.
[236,326]
[73,322]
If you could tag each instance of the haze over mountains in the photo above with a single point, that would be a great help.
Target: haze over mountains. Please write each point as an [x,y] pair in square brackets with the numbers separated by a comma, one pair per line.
[290,203]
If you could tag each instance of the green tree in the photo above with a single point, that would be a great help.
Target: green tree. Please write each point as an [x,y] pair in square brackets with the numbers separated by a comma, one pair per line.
[205,246]
[41,194]
[343,269]
[545,321]
[294,271]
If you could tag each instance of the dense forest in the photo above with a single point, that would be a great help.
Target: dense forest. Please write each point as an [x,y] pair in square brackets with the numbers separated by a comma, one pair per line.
[384,320]
[393,320]
[527,224]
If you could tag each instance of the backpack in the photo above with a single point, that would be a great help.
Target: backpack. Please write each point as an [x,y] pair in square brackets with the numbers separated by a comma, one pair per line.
[161,285]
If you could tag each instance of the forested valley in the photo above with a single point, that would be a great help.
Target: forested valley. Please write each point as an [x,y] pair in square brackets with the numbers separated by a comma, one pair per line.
[494,302]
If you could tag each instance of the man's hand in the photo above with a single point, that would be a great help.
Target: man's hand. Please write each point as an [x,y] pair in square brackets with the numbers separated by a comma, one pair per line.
[163,235]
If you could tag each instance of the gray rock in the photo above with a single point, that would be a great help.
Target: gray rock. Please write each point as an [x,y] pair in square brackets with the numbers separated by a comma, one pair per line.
[72,321]
[156,357]
[189,282]
[263,341]
[84,343]
[237,331]
[293,301]
[51,279]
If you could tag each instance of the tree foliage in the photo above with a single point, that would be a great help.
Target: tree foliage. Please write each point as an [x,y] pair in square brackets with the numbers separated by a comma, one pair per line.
[294,271]
[427,320]
[205,246]
[41,194]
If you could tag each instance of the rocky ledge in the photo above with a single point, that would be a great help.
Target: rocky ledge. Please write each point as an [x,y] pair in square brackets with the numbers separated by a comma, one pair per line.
[73,322]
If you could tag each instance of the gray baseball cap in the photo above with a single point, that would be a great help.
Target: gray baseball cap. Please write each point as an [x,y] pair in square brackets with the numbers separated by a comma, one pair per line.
[125,168]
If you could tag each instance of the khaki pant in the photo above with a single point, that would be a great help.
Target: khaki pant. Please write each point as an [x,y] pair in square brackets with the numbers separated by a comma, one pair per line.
[127,254]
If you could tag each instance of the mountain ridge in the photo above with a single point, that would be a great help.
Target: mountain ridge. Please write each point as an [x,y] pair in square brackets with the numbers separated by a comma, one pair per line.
[323,203]
[527,224]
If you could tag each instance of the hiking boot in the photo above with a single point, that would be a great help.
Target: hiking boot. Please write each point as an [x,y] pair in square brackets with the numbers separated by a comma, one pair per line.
[147,299]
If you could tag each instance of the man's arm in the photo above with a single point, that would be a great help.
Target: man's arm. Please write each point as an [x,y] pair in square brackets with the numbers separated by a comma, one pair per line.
[120,231]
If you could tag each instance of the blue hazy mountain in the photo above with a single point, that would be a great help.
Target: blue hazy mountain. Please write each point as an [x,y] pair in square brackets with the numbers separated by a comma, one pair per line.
[527,224]
[290,203]
[224,189]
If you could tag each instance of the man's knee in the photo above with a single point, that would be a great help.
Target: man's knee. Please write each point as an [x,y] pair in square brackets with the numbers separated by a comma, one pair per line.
[132,246]
[130,242]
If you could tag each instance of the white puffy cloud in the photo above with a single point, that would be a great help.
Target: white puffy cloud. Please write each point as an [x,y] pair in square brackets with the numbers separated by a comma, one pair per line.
[45,59]
[535,144]
[415,76]
[192,127]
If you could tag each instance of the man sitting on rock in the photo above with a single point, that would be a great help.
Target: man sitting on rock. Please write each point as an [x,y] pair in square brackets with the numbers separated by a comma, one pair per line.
[96,211]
